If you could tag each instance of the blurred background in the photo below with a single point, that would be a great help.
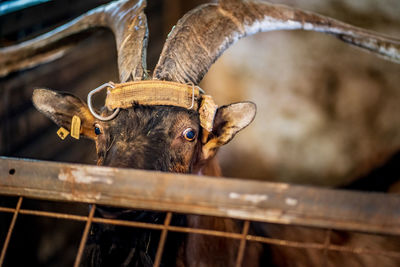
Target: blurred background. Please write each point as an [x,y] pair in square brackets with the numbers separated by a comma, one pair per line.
[328,114]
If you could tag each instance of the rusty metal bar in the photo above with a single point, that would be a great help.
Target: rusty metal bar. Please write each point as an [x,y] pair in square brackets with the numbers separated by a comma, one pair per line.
[129,223]
[67,216]
[84,237]
[188,230]
[296,244]
[9,210]
[56,215]
[242,245]
[386,253]
[10,230]
[327,243]
[279,242]
[240,199]
[163,237]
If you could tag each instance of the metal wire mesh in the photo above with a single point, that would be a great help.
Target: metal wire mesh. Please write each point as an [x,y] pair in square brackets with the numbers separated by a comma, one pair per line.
[244,237]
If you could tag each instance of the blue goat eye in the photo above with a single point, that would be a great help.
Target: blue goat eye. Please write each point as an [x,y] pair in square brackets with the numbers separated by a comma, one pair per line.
[97,130]
[189,134]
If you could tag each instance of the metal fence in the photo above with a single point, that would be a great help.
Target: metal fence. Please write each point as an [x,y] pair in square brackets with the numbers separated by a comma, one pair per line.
[249,202]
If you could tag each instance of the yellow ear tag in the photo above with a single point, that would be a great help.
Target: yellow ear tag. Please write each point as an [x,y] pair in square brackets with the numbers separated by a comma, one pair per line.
[75,127]
[62,133]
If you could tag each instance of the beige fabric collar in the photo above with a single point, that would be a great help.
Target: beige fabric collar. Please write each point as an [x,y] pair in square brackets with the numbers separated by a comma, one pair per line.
[154,92]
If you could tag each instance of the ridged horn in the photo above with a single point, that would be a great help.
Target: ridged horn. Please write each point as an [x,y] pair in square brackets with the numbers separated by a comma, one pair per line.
[124,18]
[204,33]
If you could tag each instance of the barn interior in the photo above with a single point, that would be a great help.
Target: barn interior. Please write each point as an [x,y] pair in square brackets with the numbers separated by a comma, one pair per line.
[328,114]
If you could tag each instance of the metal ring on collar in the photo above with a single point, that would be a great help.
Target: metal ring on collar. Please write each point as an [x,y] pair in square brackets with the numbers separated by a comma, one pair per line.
[89,102]
[200,90]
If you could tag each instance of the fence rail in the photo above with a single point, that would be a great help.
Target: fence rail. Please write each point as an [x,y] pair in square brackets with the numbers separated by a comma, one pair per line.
[235,198]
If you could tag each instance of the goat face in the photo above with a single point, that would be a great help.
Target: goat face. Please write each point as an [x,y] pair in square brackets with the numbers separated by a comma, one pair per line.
[145,137]
[164,138]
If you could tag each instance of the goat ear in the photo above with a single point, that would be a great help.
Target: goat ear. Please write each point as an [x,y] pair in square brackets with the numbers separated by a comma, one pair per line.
[228,121]
[61,107]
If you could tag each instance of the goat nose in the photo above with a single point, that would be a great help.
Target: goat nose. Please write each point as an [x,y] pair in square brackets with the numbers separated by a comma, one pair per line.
[124,156]
[115,155]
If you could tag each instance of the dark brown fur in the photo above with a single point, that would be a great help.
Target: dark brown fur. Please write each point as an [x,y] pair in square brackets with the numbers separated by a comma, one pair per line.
[148,138]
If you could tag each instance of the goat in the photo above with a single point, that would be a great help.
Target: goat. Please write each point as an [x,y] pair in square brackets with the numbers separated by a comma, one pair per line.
[168,136]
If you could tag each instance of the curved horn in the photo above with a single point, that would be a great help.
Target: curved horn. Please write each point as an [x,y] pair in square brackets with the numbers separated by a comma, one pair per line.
[126,20]
[204,33]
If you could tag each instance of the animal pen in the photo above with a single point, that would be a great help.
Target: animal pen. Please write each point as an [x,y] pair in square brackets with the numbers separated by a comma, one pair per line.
[43,202]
